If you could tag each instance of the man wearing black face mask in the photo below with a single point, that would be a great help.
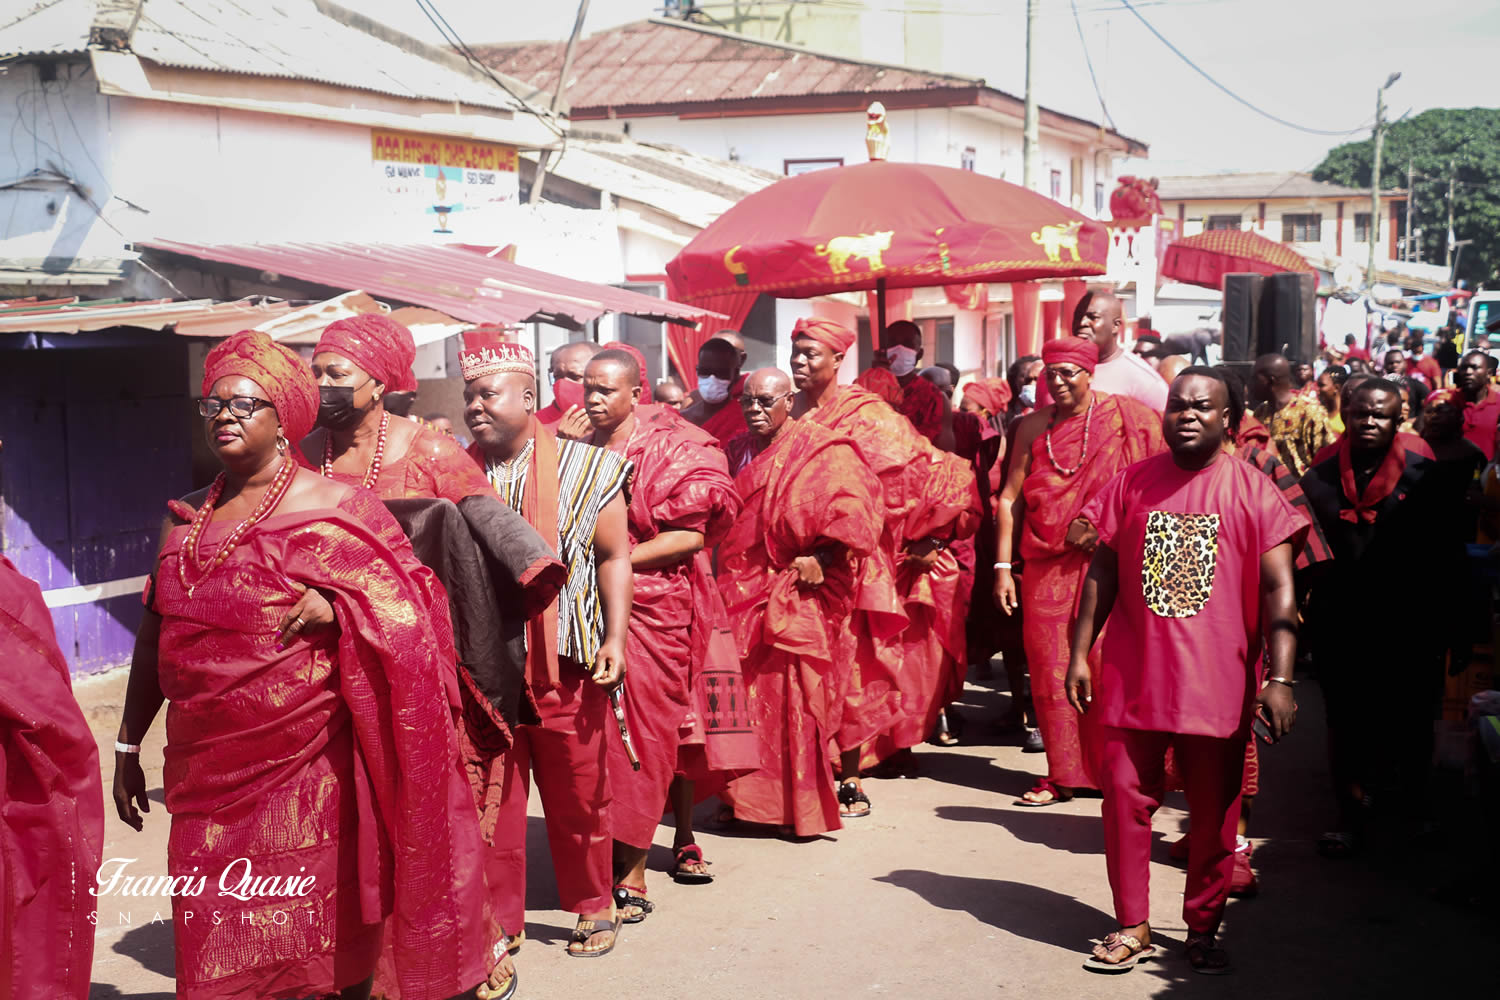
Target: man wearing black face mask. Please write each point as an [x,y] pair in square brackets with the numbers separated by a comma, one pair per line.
[356,362]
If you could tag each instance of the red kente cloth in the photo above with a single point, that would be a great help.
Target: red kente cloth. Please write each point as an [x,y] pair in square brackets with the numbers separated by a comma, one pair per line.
[728,421]
[1183,649]
[896,455]
[918,400]
[681,482]
[810,489]
[1122,431]
[51,807]
[434,466]
[335,758]
[1479,423]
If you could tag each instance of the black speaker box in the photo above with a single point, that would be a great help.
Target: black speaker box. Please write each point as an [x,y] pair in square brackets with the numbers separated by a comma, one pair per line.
[1289,316]
[1242,295]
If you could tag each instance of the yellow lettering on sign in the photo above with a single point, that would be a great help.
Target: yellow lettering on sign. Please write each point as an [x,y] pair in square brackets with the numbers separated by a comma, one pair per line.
[407,147]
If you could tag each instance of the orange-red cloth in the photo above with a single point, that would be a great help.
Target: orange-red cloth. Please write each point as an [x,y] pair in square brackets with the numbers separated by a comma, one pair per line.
[680,483]
[728,421]
[810,489]
[279,371]
[918,400]
[1072,351]
[433,466]
[1480,420]
[335,758]
[1253,433]
[51,807]
[882,383]
[825,331]
[1121,432]
[376,343]
[991,393]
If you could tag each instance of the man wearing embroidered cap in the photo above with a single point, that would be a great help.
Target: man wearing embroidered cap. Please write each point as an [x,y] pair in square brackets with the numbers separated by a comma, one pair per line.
[904,617]
[575,496]
[358,362]
[1065,453]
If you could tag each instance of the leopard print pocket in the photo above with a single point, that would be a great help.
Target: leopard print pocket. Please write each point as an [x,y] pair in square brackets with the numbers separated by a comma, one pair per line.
[1178,562]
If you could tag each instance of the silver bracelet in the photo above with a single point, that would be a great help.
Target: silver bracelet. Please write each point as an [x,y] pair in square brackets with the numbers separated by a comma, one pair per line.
[127,747]
[1281,680]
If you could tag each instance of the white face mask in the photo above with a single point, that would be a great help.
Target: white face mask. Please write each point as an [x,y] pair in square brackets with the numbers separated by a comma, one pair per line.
[1028,394]
[713,390]
[903,360]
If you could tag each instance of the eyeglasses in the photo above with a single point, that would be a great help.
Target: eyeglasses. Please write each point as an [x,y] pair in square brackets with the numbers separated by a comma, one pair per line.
[749,402]
[240,407]
[1065,372]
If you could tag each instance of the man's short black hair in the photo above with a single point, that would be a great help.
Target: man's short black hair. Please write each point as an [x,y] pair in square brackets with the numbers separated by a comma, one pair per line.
[1383,384]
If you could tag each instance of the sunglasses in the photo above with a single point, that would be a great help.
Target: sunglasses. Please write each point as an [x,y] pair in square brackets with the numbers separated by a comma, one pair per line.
[242,407]
[748,401]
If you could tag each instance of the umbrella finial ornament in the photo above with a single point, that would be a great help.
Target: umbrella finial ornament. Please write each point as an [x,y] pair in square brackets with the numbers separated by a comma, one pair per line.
[877,132]
[741,277]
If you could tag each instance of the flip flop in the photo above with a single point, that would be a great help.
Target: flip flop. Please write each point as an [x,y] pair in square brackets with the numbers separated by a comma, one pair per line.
[631,895]
[1138,953]
[581,935]
[850,795]
[1043,787]
[509,992]
[513,942]
[690,854]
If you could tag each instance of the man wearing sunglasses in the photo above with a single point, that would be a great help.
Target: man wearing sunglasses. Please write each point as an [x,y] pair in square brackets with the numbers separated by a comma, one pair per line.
[717,409]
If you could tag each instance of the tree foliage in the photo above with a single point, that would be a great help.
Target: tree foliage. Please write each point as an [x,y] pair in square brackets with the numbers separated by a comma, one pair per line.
[1461,142]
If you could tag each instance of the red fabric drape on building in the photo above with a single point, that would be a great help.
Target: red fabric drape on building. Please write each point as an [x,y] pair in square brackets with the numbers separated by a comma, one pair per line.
[1052,325]
[1074,289]
[974,297]
[683,341]
[1026,302]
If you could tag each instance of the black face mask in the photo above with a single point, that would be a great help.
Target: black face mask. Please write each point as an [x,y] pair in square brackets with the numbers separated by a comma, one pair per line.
[336,407]
[399,403]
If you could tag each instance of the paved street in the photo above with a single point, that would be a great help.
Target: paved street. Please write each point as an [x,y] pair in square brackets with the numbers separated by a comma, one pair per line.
[947,890]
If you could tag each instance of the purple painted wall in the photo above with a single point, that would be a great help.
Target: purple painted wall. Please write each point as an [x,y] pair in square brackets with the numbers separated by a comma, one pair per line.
[96,439]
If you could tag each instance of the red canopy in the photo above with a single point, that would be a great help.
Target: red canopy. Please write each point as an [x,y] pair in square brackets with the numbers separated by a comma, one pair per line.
[1205,259]
[912,225]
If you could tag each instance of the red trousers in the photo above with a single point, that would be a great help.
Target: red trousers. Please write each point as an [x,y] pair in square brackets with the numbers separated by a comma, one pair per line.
[567,753]
[1130,765]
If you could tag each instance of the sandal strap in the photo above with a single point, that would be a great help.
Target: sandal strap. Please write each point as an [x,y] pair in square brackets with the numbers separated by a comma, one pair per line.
[690,853]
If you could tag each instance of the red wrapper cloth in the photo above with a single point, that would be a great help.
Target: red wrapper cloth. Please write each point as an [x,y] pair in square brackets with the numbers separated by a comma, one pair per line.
[335,758]
[681,483]
[51,807]
[1121,432]
[919,400]
[991,393]
[826,332]
[376,343]
[283,375]
[434,465]
[809,489]
[1071,351]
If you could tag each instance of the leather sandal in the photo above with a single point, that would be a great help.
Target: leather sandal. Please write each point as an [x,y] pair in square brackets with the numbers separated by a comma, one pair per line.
[1138,952]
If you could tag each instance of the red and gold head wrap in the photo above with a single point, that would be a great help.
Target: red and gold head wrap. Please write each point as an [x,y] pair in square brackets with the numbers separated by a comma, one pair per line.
[283,375]
[991,393]
[485,353]
[825,331]
[378,344]
[1071,351]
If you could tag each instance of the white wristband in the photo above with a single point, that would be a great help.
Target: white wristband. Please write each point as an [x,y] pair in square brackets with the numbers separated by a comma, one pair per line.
[127,747]
[1000,565]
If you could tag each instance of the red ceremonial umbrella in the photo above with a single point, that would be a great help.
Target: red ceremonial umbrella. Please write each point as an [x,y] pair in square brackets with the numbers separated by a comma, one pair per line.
[882,225]
[1205,259]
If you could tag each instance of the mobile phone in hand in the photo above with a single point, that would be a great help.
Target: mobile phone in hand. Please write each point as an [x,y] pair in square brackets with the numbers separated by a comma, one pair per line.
[1261,730]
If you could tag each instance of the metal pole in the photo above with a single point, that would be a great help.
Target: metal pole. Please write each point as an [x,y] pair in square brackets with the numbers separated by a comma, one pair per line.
[1411,211]
[1374,234]
[1450,236]
[540,179]
[879,336]
[1031,132]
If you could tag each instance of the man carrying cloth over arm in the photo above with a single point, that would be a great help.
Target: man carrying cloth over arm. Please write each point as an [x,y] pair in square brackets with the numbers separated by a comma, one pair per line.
[789,571]
[1193,571]
[681,499]
[574,495]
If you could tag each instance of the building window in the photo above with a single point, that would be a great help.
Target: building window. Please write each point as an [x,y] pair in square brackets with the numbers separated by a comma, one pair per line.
[1306,228]
[1361,227]
[1057,185]
[967,157]
[1099,198]
[1223,222]
[794,167]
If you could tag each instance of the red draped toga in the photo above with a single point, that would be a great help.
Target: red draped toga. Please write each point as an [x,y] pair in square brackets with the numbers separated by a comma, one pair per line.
[727,422]
[434,466]
[918,400]
[681,482]
[810,489]
[1120,432]
[51,807]
[334,759]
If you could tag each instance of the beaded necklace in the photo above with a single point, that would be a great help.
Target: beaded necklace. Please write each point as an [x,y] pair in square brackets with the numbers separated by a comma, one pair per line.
[372,474]
[503,473]
[1083,455]
[189,553]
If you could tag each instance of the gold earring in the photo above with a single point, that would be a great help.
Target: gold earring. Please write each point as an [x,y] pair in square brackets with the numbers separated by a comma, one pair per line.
[281,443]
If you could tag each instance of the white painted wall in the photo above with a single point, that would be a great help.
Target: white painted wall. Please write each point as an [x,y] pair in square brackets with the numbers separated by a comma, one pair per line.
[1196,213]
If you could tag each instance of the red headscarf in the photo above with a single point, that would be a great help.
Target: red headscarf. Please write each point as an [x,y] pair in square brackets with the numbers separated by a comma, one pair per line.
[992,393]
[825,331]
[640,360]
[378,344]
[283,375]
[1071,351]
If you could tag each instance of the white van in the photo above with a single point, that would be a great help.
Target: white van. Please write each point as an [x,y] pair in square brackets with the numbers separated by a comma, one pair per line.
[1484,309]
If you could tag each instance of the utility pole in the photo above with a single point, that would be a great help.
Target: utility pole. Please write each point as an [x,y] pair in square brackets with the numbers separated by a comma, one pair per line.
[1031,129]
[1411,211]
[1451,236]
[1374,233]
[540,178]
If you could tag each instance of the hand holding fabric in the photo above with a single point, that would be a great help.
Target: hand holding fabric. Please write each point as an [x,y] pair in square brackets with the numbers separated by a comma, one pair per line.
[311,615]
[809,571]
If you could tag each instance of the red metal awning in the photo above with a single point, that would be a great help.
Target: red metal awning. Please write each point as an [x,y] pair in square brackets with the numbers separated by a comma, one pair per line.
[196,318]
[462,282]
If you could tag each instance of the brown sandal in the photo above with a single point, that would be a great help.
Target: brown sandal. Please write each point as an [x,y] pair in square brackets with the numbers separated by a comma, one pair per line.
[1136,953]
[1206,957]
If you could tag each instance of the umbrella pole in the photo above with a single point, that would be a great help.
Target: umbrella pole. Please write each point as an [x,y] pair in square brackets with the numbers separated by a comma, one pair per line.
[879,335]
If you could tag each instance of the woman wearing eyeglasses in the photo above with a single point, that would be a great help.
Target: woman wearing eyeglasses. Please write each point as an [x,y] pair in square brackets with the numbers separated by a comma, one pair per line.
[1064,454]
[311,769]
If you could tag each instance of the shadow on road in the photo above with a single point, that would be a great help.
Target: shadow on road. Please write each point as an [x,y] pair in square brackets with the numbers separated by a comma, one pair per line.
[1028,911]
[103,991]
[150,945]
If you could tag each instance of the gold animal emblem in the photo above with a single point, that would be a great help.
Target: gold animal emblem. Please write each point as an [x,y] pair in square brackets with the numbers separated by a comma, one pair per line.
[842,249]
[1055,239]
[741,276]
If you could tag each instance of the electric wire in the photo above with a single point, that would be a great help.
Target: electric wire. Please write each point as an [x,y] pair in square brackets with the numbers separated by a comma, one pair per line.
[1089,61]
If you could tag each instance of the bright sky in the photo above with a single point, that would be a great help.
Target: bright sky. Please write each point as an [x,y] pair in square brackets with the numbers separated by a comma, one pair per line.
[1316,63]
